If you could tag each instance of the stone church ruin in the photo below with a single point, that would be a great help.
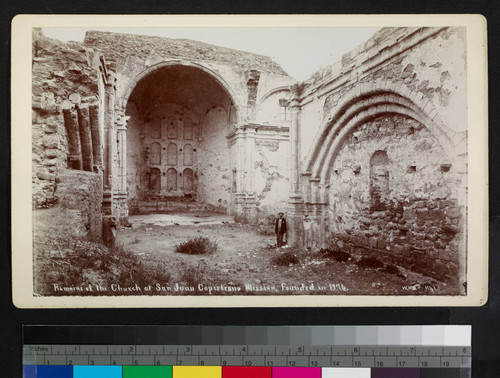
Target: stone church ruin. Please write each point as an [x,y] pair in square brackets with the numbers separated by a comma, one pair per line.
[373,149]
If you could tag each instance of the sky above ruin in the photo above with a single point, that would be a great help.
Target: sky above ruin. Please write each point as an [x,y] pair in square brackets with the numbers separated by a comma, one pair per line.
[299,51]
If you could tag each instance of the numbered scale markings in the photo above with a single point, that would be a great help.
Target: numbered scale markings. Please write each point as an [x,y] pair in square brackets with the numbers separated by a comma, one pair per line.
[250,355]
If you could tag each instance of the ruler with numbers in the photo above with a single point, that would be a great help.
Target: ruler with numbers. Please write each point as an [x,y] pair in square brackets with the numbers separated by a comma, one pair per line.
[250,355]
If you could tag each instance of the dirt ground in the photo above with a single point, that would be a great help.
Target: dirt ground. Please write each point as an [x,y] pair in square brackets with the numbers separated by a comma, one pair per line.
[244,260]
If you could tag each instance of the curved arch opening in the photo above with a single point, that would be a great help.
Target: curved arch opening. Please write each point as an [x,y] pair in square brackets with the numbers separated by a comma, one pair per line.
[360,109]
[182,114]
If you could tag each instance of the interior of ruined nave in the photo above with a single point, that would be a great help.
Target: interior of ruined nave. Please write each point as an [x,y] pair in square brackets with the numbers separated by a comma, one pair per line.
[176,138]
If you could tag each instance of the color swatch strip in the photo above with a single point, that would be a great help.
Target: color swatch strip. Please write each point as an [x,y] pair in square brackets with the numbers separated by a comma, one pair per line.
[444,335]
[47,371]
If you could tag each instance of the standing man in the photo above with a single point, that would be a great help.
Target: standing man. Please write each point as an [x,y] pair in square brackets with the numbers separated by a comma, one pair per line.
[280,230]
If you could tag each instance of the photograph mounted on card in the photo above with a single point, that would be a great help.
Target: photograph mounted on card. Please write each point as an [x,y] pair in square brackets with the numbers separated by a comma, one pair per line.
[223,161]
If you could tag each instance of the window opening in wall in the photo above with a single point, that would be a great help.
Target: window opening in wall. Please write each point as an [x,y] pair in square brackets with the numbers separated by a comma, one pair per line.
[155,154]
[285,114]
[171,179]
[172,127]
[154,179]
[379,181]
[188,180]
[172,154]
[188,154]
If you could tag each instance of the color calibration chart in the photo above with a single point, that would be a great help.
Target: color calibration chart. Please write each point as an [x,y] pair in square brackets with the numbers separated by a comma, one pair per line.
[247,352]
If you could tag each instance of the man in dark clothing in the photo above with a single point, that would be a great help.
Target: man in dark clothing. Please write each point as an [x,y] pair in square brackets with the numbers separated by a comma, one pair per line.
[280,230]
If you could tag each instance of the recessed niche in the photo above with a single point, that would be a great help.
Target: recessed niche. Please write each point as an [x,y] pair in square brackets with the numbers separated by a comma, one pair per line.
[445,167]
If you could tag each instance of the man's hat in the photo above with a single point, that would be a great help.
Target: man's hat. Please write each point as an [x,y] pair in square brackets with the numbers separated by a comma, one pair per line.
[281,213]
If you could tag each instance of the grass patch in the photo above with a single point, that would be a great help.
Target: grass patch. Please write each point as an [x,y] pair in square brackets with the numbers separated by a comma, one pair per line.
[73,265]
[197,246]
[192,276]
[390,268]
[335,254]
[369,262]
[393,269]
[285,259]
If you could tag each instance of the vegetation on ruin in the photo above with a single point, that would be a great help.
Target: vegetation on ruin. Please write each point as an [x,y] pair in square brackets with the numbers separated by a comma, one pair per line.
[244,259]
[197,246]
[285,259]
[335,254]
[393,269]
[82,263]
[369,262]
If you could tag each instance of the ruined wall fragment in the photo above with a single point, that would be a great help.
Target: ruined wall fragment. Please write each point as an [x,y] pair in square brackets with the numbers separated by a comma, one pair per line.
[63,75]
[413,218]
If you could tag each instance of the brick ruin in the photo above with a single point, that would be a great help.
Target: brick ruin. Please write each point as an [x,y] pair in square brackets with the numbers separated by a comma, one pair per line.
[373,149]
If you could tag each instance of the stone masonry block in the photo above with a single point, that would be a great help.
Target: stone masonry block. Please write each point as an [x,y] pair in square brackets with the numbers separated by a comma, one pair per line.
[51,141]
[45,176]
[51,153]
[381,243]
[372,242]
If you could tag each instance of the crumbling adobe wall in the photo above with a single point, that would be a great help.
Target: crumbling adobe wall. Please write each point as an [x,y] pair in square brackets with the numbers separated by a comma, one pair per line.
[77,212]
[214,172]
[428,65]
[121,45]
[135,155]
[80,193]
[393,195]
[272,181]
[64,78]
[135,54]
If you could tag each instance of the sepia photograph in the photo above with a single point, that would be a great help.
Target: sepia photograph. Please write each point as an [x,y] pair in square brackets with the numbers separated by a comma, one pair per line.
[248,162]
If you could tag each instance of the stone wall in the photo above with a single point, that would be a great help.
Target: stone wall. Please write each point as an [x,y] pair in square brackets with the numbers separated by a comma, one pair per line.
[223,88]
[64,85]
[426,65]
[393,195]
[214,174]
[77,213]
[237,71]
[271,176]
[383,151]
[114,44]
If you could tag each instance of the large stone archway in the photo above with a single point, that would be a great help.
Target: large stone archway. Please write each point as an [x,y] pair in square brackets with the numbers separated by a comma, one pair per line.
[384,176]
[178,117]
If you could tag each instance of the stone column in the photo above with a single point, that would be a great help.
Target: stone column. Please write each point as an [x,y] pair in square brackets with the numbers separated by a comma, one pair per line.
[85,137]
[294,149]
[240,167]
[71,125]
[296,203]
[321,213]
[121,140]
[306,187]
[120,192]
[109,141]
[95,128]
[250,198]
